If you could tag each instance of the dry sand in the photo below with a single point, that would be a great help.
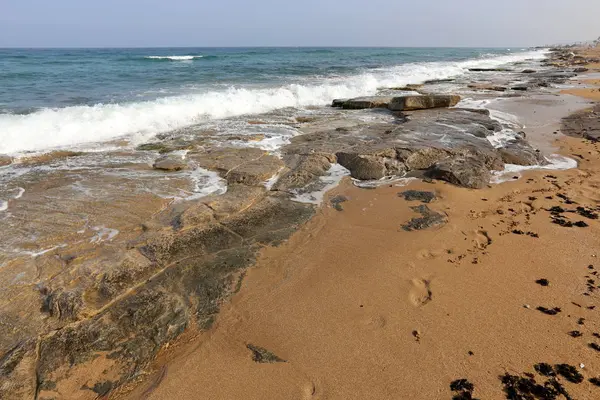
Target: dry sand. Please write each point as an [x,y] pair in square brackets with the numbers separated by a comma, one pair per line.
[362,309]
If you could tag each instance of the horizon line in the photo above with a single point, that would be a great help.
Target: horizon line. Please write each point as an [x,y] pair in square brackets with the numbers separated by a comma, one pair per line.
[267,46]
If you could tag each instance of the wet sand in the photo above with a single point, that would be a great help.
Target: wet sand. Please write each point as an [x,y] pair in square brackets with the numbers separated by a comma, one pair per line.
[360,308]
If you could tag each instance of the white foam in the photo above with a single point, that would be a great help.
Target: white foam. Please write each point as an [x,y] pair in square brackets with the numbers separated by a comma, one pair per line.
[206,183]
[327,182]
[387,180]
[103,234]
[556,162]
[269,183]
[173,58]
[140,121]
[39,253]
[20,194]
[3,205]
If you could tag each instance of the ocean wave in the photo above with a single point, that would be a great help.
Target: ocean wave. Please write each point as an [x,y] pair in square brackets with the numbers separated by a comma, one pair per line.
[140,121]
[173,58]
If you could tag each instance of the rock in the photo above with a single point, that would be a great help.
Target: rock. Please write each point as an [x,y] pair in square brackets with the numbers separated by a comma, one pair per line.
[408,88]
[50,157]
[528,71]
[421,158]
[466,171]
[519,152]
[134,268]
[584,124]
[372,151]
[429,219]
[580,70]
[520,88]
[303,169]
[489,70]
[338,102]
[367,102]
[169,163]
[166,146]
[197,214]
[487,86]
[199,270]
[62,304]
[408,103]
[249,166]
[434,81]
[370,165]
[5,160]
[16,366]
[236,199]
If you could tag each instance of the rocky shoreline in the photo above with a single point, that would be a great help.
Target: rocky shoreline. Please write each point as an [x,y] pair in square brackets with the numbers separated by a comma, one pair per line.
[93,316]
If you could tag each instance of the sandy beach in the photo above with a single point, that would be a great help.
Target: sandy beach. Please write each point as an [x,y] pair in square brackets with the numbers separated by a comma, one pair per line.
[431,241]
[500,291]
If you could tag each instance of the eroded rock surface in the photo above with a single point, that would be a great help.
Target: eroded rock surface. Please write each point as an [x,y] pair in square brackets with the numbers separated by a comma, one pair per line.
[585,124]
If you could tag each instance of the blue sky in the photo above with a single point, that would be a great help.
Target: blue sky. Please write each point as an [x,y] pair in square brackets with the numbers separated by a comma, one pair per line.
[203,23]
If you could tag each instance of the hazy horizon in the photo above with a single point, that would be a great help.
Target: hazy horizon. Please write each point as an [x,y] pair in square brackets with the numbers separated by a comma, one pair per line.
[314,23]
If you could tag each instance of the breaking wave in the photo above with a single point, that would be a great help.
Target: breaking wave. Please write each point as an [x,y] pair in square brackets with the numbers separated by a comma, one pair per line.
[139,121]
[173,58]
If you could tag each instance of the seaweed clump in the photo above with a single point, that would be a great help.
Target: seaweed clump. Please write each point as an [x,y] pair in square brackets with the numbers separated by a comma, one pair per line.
[463,390]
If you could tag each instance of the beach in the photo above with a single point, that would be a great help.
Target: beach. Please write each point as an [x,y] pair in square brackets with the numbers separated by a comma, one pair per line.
[360,308]
[434,240]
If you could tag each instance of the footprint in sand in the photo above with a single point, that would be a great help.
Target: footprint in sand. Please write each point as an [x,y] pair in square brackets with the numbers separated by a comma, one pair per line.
[309,391]
[420,293]
[479,238]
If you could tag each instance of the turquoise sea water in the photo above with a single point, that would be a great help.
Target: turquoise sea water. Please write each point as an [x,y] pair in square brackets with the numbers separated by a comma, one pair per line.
[53,98]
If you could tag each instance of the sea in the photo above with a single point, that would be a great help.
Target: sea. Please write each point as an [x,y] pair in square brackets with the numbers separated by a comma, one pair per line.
[82,99]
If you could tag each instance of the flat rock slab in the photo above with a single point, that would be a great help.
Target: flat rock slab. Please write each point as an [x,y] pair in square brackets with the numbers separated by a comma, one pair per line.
[249,166]
[367,102]
[489,70]
[487,86]
[170,163]
[409,103]
[584,124]
[5,160]
[399,103]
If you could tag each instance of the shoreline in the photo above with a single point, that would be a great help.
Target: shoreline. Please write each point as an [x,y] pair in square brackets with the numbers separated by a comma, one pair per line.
[177,272]
[404,290]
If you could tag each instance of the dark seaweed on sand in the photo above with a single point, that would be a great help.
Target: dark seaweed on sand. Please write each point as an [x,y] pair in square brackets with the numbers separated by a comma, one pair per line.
[594,346]
[584,212]
[463,390]
[568,224]
[566,199]
[525,388]
[544,369]
[263,356]
[556,210]
[418,195]
[462,385]
[575,334]
[569,372]
[549,311]
[595,381]
[543,282]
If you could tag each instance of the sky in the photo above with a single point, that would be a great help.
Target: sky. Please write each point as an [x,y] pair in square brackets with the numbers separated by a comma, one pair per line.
[220,23]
